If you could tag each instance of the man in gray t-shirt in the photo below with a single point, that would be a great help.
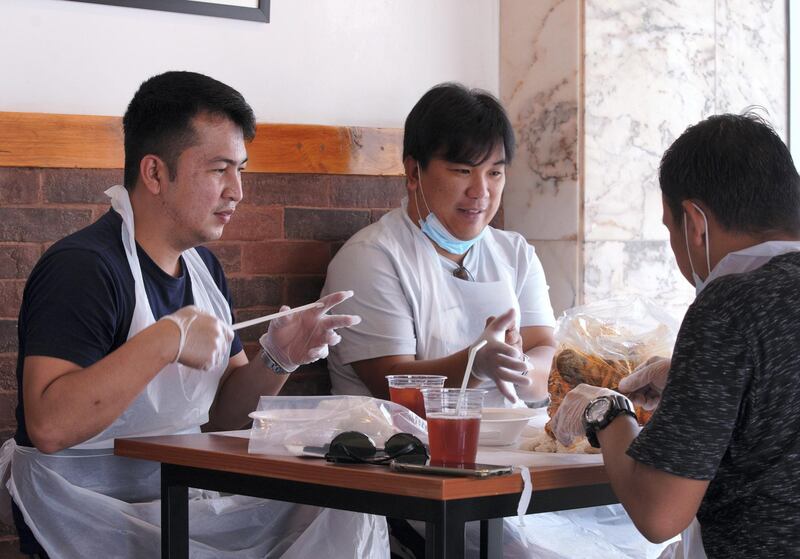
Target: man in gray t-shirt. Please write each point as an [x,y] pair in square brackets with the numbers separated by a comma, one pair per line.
[723,447]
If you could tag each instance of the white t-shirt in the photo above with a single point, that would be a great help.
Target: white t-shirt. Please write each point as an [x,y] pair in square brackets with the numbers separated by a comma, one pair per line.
[411,304]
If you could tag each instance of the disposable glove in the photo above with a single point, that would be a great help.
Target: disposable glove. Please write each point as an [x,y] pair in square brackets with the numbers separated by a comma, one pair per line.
[498,361]
[646,383]
[567,423]
[513,336]
[304,337]
[205,340]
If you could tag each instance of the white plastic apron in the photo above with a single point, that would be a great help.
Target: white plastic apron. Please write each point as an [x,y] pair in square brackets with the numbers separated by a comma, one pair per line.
[452,312]
[86,502]
[177,400]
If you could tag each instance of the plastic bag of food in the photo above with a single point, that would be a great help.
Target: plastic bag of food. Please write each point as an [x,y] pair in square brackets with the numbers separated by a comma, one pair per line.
[286,425]
[601,343]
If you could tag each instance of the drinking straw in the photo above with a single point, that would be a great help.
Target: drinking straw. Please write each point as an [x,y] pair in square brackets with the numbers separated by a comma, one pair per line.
[273,316]
[472,351]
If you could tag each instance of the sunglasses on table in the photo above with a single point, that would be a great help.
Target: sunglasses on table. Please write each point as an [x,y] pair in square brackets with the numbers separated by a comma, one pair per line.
[352,447]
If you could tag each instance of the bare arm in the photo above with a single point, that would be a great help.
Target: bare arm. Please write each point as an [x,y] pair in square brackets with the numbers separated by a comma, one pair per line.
[239,391]
[66,405]
[373,372]
[535,342]
[660,504]
[539,345]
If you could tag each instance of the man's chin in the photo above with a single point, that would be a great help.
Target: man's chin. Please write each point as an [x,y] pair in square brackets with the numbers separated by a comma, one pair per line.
[210,236]
[471,233]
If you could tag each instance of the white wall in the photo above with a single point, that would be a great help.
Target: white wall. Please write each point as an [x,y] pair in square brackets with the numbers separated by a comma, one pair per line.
[348,62]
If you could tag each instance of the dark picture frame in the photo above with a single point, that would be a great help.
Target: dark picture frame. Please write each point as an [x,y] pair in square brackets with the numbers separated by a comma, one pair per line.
[260,13]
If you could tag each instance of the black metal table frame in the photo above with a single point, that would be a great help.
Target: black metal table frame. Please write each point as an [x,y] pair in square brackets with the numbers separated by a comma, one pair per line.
[445,520]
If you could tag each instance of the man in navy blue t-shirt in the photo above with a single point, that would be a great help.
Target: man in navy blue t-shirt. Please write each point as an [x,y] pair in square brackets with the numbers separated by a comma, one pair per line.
[125,327]
[719,462]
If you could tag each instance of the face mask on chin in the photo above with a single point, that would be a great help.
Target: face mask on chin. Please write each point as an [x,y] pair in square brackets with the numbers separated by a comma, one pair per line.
[699,283]
[437,232]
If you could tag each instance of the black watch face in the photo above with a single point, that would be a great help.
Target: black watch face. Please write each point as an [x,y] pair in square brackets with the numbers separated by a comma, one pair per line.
[597,410]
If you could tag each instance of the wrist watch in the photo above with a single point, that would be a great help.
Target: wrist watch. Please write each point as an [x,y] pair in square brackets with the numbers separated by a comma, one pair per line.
[272,364]
[601,412]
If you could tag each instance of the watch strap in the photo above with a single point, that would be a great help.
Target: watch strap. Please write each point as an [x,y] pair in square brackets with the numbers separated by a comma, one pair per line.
[620,405]
[272,364]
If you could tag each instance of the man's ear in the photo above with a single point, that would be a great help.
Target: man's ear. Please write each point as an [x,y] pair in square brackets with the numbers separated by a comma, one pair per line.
[412,173]
[153,173]
[695,224]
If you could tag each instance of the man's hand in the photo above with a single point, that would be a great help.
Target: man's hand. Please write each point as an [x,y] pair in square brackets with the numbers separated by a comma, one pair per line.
[645,385]
[204,341]
[567,423]
[499,361]
[304,337]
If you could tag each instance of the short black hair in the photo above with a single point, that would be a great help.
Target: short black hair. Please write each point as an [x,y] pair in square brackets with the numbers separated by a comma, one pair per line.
[457,124]
[158,119]
[738,167]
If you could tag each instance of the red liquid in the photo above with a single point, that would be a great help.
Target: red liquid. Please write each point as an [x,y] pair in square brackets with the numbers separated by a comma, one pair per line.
[453,440]
[409,397]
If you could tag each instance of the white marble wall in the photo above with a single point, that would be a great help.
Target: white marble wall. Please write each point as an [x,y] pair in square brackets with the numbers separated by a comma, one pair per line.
[751,58]
[649,72]
[539,50]
[650,69]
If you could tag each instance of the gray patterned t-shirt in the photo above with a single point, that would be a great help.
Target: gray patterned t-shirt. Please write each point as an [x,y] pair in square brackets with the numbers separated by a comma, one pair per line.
[730,412]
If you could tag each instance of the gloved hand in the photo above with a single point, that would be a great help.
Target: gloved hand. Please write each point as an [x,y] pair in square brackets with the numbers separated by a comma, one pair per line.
[567,423]
[513,336]
[304,337]
[645,384]
[205,340]
[499,361]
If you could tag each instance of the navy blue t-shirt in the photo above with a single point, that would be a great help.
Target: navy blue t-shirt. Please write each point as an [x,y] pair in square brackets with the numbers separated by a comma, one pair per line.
[79,299]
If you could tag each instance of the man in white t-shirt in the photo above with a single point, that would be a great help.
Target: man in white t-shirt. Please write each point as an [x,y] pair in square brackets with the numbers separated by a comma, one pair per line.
[433,277]
[429,275]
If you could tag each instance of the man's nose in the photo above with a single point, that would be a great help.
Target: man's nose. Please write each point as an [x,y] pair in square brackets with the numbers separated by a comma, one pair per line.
[233,190]
[479,186]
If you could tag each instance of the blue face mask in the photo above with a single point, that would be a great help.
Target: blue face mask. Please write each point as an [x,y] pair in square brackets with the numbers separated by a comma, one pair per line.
[438,233]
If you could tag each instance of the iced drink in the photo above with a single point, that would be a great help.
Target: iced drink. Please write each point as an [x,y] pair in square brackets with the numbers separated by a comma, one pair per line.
[405,390]
[454,420]
[453,440]
[410,398]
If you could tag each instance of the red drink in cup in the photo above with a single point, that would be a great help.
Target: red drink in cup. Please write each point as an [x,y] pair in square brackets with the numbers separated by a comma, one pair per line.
[454,419]
[453,440]
[405,390]
[410,398]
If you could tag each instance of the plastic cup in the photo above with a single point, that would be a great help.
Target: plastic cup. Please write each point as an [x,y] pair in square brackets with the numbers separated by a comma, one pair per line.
[405,390]
[452,429]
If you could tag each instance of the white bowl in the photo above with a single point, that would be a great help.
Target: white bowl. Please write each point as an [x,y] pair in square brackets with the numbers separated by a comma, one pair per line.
[503,426]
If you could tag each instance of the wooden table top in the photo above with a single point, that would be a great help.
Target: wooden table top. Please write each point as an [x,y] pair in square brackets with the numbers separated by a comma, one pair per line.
[229,454]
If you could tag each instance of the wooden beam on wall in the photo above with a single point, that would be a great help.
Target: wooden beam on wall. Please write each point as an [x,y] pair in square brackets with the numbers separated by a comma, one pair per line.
[95,142]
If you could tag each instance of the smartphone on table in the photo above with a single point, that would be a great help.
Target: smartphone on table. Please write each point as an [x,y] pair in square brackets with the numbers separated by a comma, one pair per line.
[464,470]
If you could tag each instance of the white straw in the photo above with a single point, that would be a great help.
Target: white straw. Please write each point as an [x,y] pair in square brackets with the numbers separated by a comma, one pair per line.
[472,351]
[259,320]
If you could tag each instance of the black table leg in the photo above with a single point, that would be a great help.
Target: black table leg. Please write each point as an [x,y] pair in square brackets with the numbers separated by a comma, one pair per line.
[492,538]
[174,518]
[445,539]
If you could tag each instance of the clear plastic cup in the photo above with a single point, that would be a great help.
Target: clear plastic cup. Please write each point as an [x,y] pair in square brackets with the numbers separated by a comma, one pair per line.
[453,428]
[405,390]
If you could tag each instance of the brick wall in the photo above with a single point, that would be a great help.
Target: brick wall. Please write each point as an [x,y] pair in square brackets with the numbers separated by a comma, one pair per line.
[275,250]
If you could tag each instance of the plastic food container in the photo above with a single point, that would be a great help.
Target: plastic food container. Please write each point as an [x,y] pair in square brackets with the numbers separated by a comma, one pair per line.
[503,426]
